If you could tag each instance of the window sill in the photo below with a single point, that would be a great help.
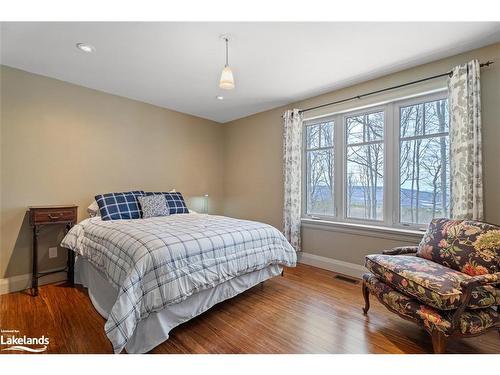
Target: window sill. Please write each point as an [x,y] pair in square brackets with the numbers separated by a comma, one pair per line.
[364,230]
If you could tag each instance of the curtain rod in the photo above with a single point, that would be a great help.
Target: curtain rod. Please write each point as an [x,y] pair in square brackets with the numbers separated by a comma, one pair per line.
[449,74]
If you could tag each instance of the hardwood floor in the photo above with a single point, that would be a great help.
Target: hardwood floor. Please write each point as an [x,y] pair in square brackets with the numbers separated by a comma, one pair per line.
[306,311]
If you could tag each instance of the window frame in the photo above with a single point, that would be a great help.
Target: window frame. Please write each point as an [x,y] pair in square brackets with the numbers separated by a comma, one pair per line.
[362,111]
[305,124]
[391,144]
[397,148]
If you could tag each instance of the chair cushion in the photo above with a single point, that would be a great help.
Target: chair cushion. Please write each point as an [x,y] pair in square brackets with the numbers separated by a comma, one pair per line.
[429,282]
[469,246]
[472,322]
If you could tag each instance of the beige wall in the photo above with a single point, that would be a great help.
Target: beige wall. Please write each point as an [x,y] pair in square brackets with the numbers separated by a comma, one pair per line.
[62,143]
[253,156]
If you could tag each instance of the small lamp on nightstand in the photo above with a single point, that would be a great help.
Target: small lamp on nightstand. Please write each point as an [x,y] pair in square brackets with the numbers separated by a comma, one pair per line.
[205,204]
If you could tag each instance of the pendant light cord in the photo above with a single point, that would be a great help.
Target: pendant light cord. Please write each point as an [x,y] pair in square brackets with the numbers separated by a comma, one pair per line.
[227,53]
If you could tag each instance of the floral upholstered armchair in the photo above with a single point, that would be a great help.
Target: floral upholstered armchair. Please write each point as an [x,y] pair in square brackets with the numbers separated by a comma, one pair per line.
[449,284]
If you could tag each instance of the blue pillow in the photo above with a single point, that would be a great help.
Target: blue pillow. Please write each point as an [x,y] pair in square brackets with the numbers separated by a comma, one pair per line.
[115,206]
[175,202]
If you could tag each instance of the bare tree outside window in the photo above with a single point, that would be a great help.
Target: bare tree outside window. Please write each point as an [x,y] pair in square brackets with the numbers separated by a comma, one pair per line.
[365,165]
[424,172]
[320,169]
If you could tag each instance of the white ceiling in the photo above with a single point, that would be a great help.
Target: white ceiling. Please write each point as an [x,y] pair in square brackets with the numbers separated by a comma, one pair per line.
[177,65]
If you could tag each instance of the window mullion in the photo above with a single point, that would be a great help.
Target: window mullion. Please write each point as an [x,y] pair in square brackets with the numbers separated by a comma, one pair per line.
[425,136]
[319,148]
[395,166]
[339,169]
[367,143]
[304,172]
[388,159]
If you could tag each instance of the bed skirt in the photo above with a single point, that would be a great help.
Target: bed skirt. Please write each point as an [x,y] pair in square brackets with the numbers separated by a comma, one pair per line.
[155,329]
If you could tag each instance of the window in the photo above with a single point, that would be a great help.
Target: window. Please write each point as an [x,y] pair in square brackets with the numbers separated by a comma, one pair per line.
[385,165]
[423,161]
[365,165]
[319,155]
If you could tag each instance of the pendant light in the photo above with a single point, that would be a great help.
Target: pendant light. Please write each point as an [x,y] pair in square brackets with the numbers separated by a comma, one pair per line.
[226,78]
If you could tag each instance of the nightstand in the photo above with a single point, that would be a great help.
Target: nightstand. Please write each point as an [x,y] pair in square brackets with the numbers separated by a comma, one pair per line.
[51,215]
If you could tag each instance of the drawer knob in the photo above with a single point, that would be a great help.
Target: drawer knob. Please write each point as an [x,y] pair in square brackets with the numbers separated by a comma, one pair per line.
[55,216]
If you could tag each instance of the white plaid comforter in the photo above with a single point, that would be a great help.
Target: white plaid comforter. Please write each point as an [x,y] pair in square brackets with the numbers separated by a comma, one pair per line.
[161,261]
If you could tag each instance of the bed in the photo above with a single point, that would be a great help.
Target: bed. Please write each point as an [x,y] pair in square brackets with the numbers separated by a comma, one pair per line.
[147,276]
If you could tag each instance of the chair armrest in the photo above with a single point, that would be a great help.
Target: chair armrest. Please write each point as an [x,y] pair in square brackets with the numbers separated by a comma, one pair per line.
[467,288]
[401,250]
[489,278]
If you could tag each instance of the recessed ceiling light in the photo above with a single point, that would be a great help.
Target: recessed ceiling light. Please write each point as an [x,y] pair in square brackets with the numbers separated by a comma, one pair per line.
[219,97]
[85,47]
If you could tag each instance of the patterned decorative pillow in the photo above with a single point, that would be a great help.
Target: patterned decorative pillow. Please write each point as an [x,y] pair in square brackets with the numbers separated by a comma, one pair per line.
[469,246]
[93,209]
[175,202]
[115,206]
[153,205]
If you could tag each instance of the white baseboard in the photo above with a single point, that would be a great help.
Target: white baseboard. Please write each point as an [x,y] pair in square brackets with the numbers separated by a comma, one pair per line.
[22,282]
[330,264]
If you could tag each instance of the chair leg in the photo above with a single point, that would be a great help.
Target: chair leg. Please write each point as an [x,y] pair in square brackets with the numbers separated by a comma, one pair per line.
[438,342]
[366,295]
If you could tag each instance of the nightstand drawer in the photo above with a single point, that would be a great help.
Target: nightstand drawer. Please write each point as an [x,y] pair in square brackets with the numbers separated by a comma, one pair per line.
[52,215]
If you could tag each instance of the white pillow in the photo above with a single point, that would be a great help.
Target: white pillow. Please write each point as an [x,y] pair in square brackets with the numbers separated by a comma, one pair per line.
[93,209]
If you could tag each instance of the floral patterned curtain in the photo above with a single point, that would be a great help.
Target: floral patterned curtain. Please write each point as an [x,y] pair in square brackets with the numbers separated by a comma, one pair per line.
[292,165]
[466,174]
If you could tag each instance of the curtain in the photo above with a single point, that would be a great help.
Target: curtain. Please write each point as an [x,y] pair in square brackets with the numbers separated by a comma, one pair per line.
[466,174]
[292,165]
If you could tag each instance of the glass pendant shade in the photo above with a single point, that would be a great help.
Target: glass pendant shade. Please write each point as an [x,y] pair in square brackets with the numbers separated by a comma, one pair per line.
[226,79]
